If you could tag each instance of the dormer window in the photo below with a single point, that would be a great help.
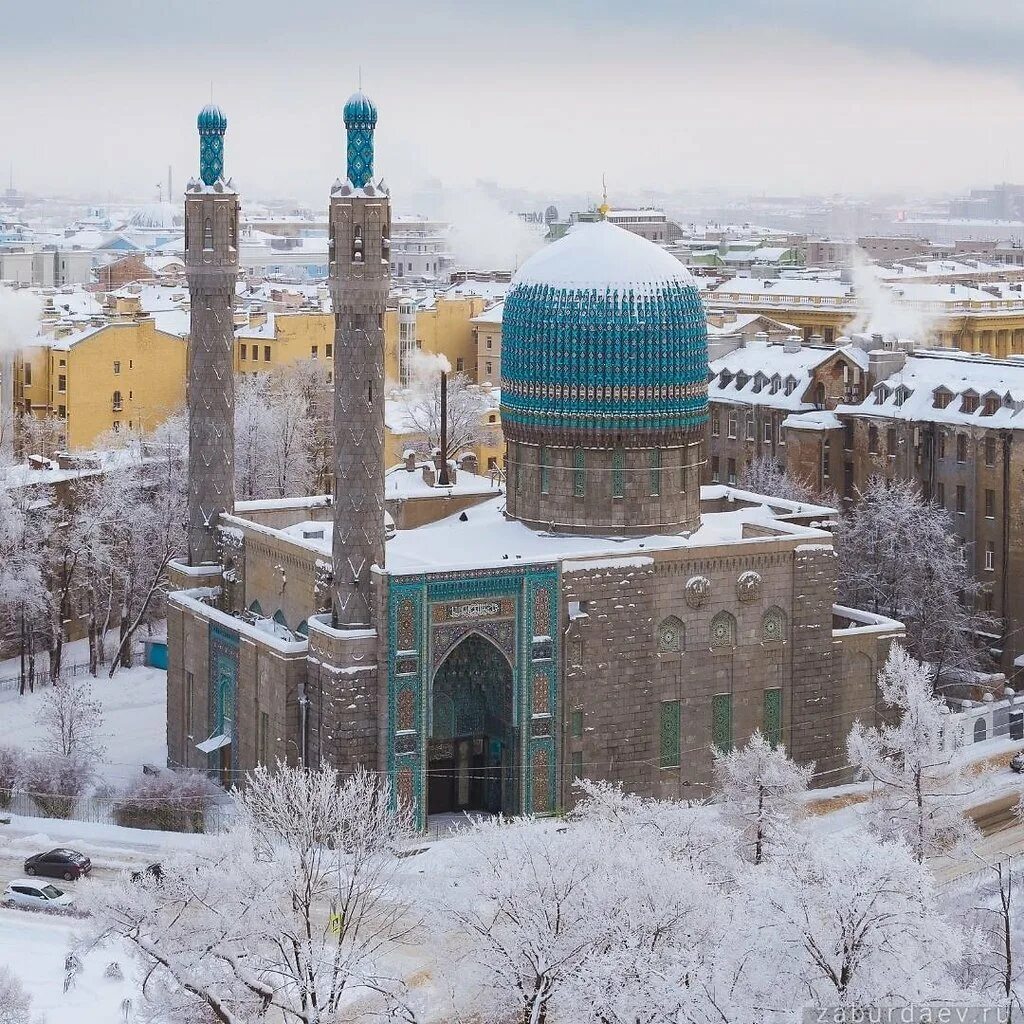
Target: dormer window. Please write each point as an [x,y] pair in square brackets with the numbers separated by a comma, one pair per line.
[776,384]
[882,394]
[790,385]
[941,398]
[901,394]
[741,380]
[724,379]
[969,402]
[759,382]
[991,404]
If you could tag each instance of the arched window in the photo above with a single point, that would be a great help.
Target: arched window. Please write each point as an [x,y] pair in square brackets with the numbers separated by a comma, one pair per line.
[207,233]
[280,619]
[357,244]
[980,730]
[723,631]
[579,473]
[256,608]
[117,401]
[773,625]
[303,628]
[670,635]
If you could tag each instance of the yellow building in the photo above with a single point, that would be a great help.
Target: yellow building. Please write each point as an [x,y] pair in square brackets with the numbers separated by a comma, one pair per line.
[443,327]
[121,375]
[266,340]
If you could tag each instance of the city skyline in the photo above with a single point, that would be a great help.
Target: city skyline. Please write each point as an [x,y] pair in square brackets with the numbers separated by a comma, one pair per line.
[783,97]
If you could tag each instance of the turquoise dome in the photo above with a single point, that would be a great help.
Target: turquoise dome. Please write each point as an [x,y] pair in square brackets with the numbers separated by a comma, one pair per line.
[211,119]
[604,342]
[360,111]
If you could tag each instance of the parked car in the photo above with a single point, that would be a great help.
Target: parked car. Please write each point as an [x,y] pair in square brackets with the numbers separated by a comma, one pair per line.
[66,864]
[26,892]
[1017,762]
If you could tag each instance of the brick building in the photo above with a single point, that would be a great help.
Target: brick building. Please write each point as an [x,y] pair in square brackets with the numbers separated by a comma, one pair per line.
[950,421]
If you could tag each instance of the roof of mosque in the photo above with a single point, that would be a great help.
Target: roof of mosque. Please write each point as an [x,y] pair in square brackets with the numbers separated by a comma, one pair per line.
[604,341]
[212,118]
[360,109]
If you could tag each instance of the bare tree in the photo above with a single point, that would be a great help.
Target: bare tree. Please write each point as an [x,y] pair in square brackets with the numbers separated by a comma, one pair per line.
[917,764]
[992,904]
[763,475]
[899,556]
[416,411]
[760,790]
[71,718]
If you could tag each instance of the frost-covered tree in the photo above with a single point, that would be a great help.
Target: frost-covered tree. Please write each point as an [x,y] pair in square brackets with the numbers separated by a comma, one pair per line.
[70,719]
[143,543]
[916,764]
[416,410]
[282,441]
[15,1002]
[40,435]
[292,913]
[991,905]
[760,791]
[763,475]
[843,924]
[899,556]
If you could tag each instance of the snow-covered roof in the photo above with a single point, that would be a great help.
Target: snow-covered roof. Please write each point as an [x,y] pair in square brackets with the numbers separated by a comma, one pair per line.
[761,373]
[491,315]
[911,393]
[816,419]
[602,256]
[782,288]
[399,483]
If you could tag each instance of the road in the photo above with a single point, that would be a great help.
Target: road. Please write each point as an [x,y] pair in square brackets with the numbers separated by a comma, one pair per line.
[1002,835]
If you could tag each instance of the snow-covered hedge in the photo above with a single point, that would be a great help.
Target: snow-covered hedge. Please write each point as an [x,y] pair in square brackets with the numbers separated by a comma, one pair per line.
[10,773]
[55,783]
[169,802]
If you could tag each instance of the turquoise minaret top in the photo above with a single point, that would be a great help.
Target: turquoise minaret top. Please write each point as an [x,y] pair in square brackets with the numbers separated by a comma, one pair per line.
[360,116]
[212,125]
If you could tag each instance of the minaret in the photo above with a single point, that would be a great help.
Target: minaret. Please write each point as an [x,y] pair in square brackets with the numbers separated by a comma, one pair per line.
[211,267]
[360,272]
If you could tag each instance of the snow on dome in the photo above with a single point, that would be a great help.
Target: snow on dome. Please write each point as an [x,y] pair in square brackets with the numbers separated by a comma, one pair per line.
[602,255]
[156,217]
[211,118]
[360,110]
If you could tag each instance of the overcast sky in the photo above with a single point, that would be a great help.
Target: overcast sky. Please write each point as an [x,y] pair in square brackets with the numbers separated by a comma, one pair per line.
[757,95]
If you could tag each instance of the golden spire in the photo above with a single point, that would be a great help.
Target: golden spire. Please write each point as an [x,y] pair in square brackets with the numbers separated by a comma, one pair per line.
[604,207]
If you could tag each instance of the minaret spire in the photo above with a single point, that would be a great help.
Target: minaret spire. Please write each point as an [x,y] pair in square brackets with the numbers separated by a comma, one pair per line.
[211,268]
[360,277]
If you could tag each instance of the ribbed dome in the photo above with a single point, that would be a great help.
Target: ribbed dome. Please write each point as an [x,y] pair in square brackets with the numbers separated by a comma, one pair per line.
[212,119]
[157,217]
[604,341]
[360,111]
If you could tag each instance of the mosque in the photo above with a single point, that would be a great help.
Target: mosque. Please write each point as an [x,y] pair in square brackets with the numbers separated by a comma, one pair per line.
[601,616]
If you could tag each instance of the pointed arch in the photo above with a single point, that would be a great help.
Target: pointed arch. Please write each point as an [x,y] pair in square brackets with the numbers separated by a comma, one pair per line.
[256,608]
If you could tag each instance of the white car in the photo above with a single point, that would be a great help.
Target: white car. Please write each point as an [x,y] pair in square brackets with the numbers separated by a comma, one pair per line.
[35,894]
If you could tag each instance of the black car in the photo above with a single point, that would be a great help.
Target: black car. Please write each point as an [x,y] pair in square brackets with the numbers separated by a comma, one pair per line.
[66,864]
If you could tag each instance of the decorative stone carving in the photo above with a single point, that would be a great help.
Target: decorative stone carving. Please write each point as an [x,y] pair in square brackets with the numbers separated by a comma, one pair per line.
[748,586]
[698,590]
[670,636]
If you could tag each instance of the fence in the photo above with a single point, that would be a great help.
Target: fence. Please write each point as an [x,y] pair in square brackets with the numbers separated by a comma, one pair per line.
[41,676]
[100,810]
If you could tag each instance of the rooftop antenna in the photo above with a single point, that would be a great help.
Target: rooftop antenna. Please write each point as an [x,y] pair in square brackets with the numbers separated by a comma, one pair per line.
[360,77]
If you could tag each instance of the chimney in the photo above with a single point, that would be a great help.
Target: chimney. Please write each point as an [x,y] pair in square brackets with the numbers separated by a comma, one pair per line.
[793,343]
[443,479]
[817,339]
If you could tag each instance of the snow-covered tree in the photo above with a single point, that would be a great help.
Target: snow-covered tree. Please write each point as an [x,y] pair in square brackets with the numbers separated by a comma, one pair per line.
[293,912]
[991,905]
[915,763]
[848,924]
[899,556]
[417,410]
[281,432]
[40,435]
[15,1002]
[70,719]
[143,543]
[760,791]
[763,475]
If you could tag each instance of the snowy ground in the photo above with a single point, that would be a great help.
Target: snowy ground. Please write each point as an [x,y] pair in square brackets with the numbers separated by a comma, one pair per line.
[134,721]
[34,946]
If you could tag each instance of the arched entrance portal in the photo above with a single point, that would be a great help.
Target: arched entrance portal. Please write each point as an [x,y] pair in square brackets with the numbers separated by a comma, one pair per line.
[471,759]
